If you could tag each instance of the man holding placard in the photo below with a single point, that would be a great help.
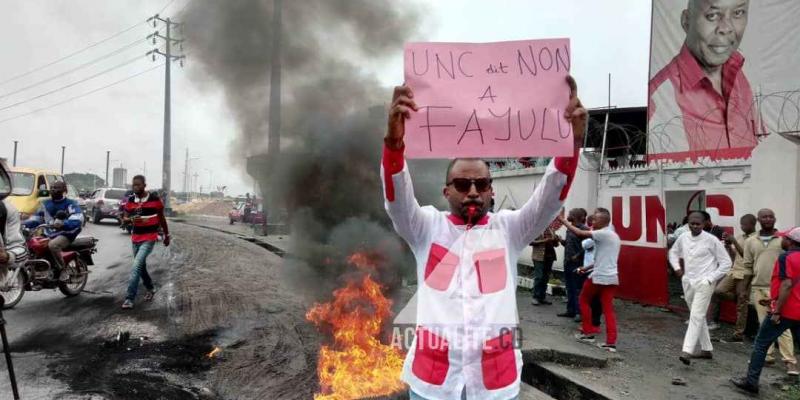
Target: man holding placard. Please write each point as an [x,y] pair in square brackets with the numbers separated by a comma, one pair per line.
[467,324]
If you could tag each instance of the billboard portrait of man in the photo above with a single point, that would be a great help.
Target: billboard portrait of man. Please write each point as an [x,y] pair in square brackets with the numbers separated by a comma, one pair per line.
[701,103]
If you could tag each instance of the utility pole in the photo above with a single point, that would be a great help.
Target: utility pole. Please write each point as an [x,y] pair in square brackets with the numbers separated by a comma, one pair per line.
[108,164]
[169,57]
[15,153]
[186,172]
[63,148]
[274,142]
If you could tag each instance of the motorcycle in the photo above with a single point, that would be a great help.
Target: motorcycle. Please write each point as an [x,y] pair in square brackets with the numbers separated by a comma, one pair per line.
[38,272]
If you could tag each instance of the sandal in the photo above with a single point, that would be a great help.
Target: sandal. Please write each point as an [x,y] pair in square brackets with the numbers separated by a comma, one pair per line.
[150,294]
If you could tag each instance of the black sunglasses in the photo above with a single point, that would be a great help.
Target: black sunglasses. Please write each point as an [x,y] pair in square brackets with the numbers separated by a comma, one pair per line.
[463,185]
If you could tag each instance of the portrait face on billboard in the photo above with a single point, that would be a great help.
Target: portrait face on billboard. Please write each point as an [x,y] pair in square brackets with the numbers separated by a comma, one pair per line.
[720,80]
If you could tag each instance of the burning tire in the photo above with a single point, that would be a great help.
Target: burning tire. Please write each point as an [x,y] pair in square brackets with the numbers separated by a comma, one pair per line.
[78,275]
[13,288]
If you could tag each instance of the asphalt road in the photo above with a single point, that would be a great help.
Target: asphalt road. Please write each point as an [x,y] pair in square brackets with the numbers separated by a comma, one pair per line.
[213,290]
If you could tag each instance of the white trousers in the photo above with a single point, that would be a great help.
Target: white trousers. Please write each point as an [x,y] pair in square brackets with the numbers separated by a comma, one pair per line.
[698,296]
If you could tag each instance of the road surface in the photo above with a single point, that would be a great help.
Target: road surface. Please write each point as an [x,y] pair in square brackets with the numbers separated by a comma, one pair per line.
[213,290]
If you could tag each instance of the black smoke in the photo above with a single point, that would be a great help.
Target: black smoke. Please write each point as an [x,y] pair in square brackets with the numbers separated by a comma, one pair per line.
[333,113]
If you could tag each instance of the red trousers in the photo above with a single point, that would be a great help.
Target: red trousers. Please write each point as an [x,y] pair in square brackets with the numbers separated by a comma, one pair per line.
[606,294]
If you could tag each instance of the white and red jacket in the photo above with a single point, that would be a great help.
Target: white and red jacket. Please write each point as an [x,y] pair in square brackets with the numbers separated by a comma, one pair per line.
[466,298]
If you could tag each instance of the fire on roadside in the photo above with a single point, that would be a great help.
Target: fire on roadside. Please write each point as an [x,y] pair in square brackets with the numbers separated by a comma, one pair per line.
[213,353]
[356,364]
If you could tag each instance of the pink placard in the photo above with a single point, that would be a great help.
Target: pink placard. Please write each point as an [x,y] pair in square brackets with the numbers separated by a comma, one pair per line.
[503,99]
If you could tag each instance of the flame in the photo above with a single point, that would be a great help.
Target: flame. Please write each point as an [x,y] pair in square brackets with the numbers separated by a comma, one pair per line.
[214,353]
[357,365]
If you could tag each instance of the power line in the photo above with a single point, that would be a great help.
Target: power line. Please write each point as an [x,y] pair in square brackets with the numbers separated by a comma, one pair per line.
[83,94]
[166,5]
[103,57]
[71,54]
[71,84]
[128,29]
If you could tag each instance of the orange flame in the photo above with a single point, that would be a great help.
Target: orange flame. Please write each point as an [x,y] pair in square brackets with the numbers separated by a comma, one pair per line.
[214,352]
[357,365]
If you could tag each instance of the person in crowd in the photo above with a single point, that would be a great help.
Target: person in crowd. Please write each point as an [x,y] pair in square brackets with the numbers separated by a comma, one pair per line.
[705,262]
[784,308]
[573,259]
[543,257]
[603,279]
[736,285]
[760,253]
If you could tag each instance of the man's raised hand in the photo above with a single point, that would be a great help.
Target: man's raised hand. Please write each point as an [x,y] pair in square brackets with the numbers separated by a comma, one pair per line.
[402,106]
[575,113]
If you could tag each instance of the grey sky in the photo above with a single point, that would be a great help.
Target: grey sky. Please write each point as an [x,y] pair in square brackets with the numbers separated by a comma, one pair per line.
[127,119]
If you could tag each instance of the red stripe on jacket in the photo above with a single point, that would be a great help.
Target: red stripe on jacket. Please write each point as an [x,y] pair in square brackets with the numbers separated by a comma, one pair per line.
[393,162]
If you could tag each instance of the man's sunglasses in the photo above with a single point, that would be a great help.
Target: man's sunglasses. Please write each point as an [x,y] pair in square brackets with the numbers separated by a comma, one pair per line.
[463,185]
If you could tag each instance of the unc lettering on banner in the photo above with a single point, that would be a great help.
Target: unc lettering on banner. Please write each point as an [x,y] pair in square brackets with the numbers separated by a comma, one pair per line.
[504,99]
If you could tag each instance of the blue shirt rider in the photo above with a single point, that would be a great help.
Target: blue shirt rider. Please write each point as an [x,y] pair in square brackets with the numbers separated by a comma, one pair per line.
[65,219]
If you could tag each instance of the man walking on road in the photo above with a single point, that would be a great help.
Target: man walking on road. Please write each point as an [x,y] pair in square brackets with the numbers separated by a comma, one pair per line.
[573,259]
[146,212]
[760,253]
[603,280]
[736,285]
[784,308]
[706,261]
[467,261]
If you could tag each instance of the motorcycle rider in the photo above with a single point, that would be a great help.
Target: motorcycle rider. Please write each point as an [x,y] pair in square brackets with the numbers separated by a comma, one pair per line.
[64,216]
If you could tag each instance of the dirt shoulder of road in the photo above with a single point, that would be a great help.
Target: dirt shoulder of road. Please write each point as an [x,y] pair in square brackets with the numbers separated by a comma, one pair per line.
[649,342]
[230,286]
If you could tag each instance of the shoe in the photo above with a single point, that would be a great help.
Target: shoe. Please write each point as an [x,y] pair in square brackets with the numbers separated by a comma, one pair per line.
[565,315]
[733,339]
[584,337]
[685,358]
[712,326]
[608,347]
[545,302]
[577,318]
[703,355]
[791,369]
[127,305]
[769,362]
[536,302]
[744,384]
[149,295]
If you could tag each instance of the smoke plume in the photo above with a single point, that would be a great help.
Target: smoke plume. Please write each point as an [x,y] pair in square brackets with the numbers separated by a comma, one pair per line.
[333,115]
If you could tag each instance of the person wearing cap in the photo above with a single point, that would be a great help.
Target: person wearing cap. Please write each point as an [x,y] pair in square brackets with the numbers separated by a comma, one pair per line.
[760,253]
[784,308]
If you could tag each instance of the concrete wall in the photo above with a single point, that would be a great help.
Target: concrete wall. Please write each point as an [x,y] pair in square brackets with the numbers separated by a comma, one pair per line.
[776,179]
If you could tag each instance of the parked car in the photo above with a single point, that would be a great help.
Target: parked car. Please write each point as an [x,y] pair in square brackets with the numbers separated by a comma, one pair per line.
[237,215]
[104,203]
[29,185]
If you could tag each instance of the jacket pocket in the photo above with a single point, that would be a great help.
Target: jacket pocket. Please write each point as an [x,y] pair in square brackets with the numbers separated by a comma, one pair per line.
[431,361]
[492,271]
[440,268]
[498,362]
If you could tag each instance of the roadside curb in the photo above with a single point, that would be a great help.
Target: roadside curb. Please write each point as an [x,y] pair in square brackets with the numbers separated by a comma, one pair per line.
[252,239]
